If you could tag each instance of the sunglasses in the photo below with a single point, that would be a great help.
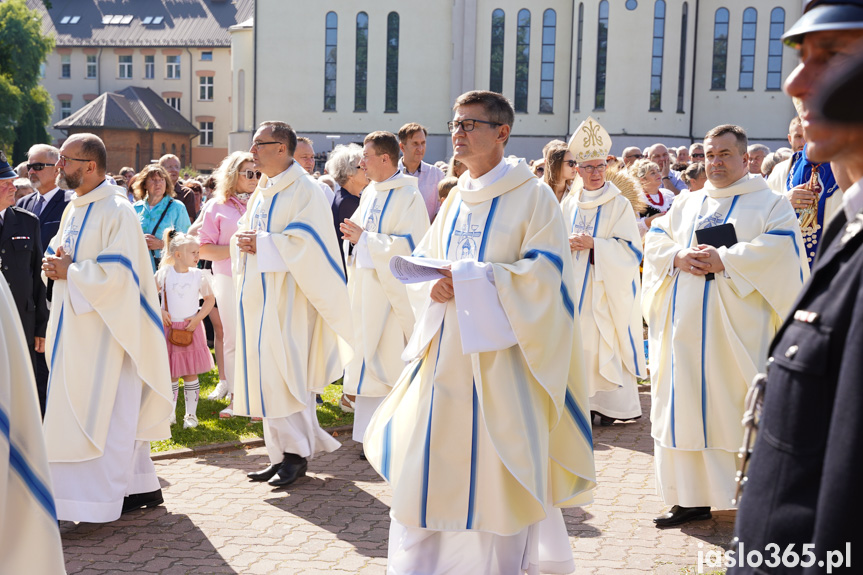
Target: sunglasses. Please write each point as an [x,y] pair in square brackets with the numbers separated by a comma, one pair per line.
[252,174]
[571,163]
[38,166]
[636,156]
[697,155]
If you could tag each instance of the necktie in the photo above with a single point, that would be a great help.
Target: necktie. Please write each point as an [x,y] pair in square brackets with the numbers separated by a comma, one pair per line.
[40,203]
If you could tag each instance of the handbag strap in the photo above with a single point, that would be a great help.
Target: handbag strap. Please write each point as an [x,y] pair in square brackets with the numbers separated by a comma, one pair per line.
[162,217]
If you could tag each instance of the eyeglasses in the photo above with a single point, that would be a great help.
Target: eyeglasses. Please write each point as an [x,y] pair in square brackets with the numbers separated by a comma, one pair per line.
[252,174]
[468,125]
[38,166]
[635,156]
[696,155]
[259,144]
[570,163]
[591,169]
[63,159]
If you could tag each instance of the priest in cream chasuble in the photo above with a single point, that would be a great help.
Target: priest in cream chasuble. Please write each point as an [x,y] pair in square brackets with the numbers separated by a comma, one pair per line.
[487,430]
[293,317]
[606,253]
[709,338]
[29,535]
[391,219]
[109,388]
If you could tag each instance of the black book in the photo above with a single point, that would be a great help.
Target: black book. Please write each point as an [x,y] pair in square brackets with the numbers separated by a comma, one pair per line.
[717,236]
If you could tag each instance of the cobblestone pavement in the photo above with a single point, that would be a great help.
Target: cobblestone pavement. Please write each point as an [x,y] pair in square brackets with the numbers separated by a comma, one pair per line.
[335,520]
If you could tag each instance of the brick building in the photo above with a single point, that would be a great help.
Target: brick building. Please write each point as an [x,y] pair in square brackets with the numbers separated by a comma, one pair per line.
[136,125]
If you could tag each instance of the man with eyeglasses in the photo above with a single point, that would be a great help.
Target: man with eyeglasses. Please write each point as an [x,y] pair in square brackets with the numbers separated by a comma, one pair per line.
[390,220]
[696,153]
[721,269]
[495,363]
[109,390]
[605,243]
[631,154]
[46,203]
[294,324]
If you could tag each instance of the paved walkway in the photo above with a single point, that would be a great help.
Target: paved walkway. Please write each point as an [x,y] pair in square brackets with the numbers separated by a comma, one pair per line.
[335,520]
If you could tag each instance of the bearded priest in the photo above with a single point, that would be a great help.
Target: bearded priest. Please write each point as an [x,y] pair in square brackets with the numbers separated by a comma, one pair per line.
[486,434]
[391,219]
[293,317]
[722,268]
[606,254]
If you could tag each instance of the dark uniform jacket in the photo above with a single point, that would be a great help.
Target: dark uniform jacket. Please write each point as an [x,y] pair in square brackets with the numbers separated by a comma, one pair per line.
[806,473]
[49,219]
[21,256]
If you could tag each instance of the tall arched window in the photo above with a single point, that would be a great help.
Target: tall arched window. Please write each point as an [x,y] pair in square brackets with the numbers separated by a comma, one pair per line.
[362,67]
[681,74]
[174,151]
[578,57]
[546,79]
[747,49]
[601,54]
[137,158]
[392,88]
[332,40]
[774,49]
[720,49]
[164,149]
[495,83]
[656,61]
[522,59]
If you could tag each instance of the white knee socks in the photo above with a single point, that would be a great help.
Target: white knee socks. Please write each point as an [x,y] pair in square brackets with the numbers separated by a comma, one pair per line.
[191,391]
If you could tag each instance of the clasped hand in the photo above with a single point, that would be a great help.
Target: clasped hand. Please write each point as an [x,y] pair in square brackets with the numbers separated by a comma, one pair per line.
[247,241]
[578,242]
[56,266]
[700,260]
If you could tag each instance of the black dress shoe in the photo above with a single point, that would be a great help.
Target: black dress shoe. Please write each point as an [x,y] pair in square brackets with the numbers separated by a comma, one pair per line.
[679,515]
[292,468]
[265,474]
[141,500]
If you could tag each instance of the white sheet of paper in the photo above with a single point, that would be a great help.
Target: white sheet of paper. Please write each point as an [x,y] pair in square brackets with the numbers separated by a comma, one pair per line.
[411,270]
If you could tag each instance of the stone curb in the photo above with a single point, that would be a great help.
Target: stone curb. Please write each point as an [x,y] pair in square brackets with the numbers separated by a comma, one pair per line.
[184,452]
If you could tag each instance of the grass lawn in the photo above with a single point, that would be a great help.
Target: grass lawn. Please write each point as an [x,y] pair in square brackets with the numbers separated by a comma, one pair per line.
[211,429]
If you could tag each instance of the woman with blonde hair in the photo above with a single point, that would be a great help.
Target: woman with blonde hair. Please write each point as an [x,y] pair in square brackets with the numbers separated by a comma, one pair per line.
[157,209]
[560,171]
[236,180]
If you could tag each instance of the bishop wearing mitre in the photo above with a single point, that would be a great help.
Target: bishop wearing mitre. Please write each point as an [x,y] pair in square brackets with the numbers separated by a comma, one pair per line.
[606,254]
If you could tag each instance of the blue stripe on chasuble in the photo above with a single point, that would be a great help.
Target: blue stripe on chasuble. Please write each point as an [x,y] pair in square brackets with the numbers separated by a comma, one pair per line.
[558,263]
[309,230]
[673,313]
[384,210]
[427,449]
[578,417]
[260,334]
[386,457]
[491,211]
[362,376]
[452,224]
[790,234]
[125,262]
[471,500]
[81,232]
[245,343]
[54,353]
[587,265]
[19,463]
[703,350]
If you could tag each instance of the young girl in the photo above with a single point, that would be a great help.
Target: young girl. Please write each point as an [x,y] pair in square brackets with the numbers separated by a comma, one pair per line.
[184,284]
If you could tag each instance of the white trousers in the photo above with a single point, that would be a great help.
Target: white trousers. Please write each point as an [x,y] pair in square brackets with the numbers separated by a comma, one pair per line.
[93,490]
[223,288]
[364,409]
[620,403]
[541,548]
[703,478]
[299,433]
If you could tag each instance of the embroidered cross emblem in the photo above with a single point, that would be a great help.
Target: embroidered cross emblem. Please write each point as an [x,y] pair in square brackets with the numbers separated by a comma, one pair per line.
[70,238]
[583,226]
[711,221]
[466,247]
[259,220]
[373,219]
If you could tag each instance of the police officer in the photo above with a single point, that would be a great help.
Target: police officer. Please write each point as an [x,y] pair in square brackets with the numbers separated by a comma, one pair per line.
[21,265]
[802,487]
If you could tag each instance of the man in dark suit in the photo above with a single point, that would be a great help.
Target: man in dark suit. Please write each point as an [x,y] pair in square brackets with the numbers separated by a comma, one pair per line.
[802,484]
[171,163]
[48,204]
[21,266]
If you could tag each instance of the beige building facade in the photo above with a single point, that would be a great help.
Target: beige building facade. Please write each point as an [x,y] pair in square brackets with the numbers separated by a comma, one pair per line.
[649,71]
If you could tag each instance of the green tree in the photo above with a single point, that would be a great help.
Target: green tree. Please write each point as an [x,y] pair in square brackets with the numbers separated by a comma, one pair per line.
[25,107]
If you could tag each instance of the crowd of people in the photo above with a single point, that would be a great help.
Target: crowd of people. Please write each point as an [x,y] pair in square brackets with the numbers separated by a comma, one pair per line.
[482,314]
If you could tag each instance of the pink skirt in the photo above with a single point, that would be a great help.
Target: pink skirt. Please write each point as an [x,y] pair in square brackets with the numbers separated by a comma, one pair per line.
[192,359]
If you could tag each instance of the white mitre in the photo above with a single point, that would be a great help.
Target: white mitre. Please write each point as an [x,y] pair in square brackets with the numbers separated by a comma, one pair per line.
[590,141]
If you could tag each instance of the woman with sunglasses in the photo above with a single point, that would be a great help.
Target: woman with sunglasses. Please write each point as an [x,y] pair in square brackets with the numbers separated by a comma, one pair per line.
[560,172]
[157,209]
[236,180]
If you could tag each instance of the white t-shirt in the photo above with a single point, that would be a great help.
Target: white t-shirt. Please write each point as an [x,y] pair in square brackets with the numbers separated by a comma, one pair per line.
[184,290]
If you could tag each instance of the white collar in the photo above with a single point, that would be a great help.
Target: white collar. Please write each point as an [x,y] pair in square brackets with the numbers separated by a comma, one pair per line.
[489,177]
[275,179]
[852,200]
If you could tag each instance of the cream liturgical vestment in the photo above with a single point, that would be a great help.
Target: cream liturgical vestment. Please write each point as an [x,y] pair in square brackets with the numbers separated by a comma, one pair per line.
[708,339]
[109,389]
[608,298]
[29,535]
[293,321]
[487,427]
[394,217]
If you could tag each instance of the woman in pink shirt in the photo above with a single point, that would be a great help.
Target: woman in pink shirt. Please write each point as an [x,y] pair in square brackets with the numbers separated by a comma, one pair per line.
[236,179]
